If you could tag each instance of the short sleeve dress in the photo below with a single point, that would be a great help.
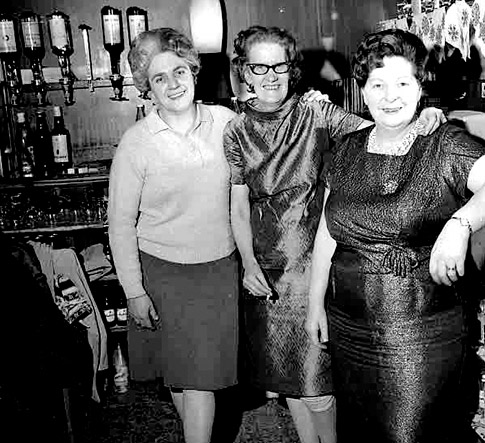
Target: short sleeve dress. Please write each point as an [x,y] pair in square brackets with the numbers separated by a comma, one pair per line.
[399,341]
[279,157]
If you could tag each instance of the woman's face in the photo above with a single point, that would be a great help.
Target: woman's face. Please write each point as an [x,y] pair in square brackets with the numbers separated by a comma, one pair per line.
[172,83]
[271,88]
[392,93]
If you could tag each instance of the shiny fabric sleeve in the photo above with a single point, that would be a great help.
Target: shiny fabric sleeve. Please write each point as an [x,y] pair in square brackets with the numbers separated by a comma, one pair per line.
[339,121]
[461,150]
[232,150]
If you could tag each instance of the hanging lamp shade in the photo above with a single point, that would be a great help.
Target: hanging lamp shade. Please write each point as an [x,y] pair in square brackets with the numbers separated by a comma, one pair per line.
[207,25]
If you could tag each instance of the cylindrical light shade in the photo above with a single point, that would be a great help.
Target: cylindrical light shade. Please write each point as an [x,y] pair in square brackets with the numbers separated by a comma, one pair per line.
[206,25]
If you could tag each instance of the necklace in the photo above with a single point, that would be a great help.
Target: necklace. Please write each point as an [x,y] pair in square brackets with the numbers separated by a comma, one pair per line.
[400,148]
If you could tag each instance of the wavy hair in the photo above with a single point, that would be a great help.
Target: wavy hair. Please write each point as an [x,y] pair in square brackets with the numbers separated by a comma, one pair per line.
[247,38]
[392,42]
[150,43]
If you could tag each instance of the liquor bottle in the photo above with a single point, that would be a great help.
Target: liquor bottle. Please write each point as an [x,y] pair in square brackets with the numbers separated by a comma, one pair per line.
[61,44]
[112,35]
[140,112]
[25,146]
[43,153]
[10,55]
[32,36]
[9,48]
[109,310]
[61,143]
[121,310]
[137,19]
[60,34]
[34,50]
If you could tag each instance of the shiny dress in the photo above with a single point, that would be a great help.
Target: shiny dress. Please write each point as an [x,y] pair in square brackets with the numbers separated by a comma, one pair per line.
[278,156]
[400,343]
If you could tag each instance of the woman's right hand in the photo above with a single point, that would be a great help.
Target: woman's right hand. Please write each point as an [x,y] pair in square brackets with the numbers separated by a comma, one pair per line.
[316,326]
[143,311]
[255,282]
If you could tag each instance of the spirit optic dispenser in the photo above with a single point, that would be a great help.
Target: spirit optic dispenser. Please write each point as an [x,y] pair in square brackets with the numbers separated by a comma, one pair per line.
[34,50]
[113,43]
[61,44]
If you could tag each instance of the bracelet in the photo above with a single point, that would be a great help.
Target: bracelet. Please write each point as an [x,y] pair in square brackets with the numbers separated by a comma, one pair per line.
[464,222]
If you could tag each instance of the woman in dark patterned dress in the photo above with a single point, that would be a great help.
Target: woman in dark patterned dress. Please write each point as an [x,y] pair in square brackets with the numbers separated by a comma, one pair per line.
[401,209]
[274,153]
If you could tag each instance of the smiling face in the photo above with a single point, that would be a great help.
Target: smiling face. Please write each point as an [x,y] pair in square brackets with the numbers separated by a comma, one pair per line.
[392,93]
[270,88]
[171,83]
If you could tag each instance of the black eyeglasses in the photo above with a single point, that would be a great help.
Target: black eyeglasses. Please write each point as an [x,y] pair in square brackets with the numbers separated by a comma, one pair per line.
[262,69]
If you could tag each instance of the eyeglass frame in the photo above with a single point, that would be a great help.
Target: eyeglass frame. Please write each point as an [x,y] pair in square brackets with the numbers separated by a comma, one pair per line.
[268,67]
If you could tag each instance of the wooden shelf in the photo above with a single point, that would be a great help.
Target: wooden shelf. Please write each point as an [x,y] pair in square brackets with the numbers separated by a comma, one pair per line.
[61,181]
[54,229]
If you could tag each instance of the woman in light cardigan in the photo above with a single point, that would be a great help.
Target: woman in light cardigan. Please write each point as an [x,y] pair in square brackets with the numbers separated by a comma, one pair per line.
[170,234]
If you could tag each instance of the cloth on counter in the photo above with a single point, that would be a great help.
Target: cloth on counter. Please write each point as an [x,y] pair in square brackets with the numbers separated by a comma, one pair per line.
[65,261]
[96,264]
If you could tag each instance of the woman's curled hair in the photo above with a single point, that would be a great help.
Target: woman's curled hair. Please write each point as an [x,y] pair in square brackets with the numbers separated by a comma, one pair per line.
[150,43]
[391,42]
[246,38]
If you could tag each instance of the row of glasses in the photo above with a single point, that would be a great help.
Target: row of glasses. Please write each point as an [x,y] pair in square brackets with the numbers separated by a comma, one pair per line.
[20,210]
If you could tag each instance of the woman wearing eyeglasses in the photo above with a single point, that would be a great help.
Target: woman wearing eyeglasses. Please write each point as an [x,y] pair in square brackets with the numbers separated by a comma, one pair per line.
[274,150]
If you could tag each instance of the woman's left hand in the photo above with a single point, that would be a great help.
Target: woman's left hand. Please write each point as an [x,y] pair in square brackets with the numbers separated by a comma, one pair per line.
[314,95]
[431,119]
[447,262]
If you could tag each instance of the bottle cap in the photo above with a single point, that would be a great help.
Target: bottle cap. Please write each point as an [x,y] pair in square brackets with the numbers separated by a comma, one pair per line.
[57,111]
[21,117]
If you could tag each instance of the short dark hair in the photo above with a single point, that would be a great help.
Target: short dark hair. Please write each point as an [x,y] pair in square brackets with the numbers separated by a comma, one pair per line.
[391,42]
[261,34]
[150,43]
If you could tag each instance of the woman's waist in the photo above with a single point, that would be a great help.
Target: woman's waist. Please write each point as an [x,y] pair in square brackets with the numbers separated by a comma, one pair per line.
[399,260]
[368,287]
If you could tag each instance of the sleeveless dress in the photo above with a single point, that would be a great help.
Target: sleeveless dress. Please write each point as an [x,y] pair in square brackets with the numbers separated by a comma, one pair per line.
[400,343]
[278,156]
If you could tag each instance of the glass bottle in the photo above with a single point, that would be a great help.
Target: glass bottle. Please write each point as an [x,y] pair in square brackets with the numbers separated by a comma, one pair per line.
[43,153]
[60,34]
[140,111]
[61,143]
[34,50]
[112,35]
[121,310]
[137,19]
[25,146]
[61,44]
[10,55]
[121,373]
[113,43]
[109,310]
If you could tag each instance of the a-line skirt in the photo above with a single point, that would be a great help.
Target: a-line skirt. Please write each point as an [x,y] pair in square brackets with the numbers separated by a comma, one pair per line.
[195,344]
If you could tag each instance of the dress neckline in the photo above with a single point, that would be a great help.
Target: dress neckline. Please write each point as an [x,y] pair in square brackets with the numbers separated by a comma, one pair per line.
[282,111]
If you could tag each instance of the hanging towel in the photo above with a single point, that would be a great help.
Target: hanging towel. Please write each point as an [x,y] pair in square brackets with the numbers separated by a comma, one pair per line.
[65,262]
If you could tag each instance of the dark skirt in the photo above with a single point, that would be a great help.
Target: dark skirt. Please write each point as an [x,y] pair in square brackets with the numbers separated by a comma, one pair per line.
[195,345]
[400,356]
